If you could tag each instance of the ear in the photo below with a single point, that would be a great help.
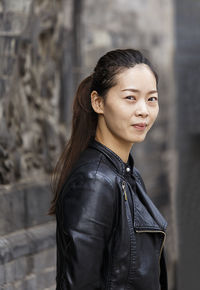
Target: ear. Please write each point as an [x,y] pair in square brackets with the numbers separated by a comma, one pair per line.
[97,102]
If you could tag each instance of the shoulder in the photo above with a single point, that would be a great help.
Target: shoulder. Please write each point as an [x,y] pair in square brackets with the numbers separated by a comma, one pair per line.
[93,165]
[92,179]
[89,188]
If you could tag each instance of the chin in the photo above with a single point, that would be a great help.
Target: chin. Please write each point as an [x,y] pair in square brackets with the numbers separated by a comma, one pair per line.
[139,139]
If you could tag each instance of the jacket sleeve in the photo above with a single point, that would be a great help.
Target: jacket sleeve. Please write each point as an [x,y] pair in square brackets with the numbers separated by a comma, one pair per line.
[88,214]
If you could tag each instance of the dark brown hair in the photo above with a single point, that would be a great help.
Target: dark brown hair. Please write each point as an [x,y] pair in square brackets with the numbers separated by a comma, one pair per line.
[84,119]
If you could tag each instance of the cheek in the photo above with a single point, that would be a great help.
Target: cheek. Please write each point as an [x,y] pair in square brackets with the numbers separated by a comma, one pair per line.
[115,112]
[115,117]
[154,113]
[153,117]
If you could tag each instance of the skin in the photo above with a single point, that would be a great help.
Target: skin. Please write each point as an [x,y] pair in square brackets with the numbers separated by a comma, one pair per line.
[128,111]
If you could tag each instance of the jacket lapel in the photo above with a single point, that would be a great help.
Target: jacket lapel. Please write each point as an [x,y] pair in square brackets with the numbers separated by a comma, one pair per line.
[146,214]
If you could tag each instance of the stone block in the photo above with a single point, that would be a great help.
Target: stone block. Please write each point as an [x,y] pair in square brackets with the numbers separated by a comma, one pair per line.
[27,206]
[22,268]
[18,285]
[2,43]
[27,242]
[17,6]
[2,87]
[19,244]
[8,65]
[42,237]
[14,22]
[53,287]
[37,202]
[46,278]
[2,275]
[1,20]
[8,287]
[9,45]
[12,214]
[30,283]
[44,259]
[5,253]
[10,272]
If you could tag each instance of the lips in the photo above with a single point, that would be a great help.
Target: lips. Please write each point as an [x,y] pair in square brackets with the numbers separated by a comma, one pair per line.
[140,126]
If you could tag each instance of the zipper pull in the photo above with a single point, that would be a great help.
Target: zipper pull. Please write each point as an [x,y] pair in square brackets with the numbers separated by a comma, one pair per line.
[124,190]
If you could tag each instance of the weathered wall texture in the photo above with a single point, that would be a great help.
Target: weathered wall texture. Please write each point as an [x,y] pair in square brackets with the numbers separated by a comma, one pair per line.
[46,47]
[29,103]
[30,138]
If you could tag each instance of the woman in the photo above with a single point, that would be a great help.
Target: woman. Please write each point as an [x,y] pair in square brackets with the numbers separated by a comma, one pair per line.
[109,233]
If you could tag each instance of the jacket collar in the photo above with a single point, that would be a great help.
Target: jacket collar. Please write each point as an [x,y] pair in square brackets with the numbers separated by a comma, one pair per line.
[155,220]
[121,167]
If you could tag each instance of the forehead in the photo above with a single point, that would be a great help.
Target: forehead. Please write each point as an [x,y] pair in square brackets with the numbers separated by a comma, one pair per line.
[138,76]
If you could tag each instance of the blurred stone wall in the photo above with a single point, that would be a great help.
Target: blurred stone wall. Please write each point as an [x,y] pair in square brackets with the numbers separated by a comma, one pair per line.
[46,47]
[31,135]
[187,66]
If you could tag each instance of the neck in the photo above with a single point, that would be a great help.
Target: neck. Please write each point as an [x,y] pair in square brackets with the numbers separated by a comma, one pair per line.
[118,146]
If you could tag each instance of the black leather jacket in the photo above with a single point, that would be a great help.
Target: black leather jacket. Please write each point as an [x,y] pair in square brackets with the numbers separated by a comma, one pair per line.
[109,235]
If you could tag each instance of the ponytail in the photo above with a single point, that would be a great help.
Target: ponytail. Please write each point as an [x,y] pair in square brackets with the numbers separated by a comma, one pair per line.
[84,124]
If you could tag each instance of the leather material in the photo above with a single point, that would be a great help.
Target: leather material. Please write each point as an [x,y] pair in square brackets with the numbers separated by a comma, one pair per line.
[105,239]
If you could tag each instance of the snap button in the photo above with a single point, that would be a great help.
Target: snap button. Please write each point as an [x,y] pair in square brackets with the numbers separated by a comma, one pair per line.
[128,169]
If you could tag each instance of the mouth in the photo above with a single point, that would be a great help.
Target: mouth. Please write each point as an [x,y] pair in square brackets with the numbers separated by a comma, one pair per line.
[140,126]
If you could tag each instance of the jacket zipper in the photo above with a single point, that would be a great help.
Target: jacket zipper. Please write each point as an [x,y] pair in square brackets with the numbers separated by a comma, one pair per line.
[124,190]
[131,231]
[157,231]
[145,231]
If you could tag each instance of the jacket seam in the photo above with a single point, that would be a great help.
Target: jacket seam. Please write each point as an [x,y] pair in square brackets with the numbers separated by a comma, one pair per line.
[104,150]
[98,163]
[131,258]
[98,172]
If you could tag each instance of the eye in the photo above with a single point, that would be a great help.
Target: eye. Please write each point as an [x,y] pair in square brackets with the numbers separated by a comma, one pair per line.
[130,98]
[153,99]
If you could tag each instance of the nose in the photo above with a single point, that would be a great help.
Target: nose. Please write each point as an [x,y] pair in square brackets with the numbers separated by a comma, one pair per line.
[142,109]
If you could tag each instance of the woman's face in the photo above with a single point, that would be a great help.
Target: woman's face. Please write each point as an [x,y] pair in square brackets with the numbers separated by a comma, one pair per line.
[131,106]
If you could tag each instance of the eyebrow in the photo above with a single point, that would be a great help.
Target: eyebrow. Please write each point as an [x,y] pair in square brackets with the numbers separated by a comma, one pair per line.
[137,91]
